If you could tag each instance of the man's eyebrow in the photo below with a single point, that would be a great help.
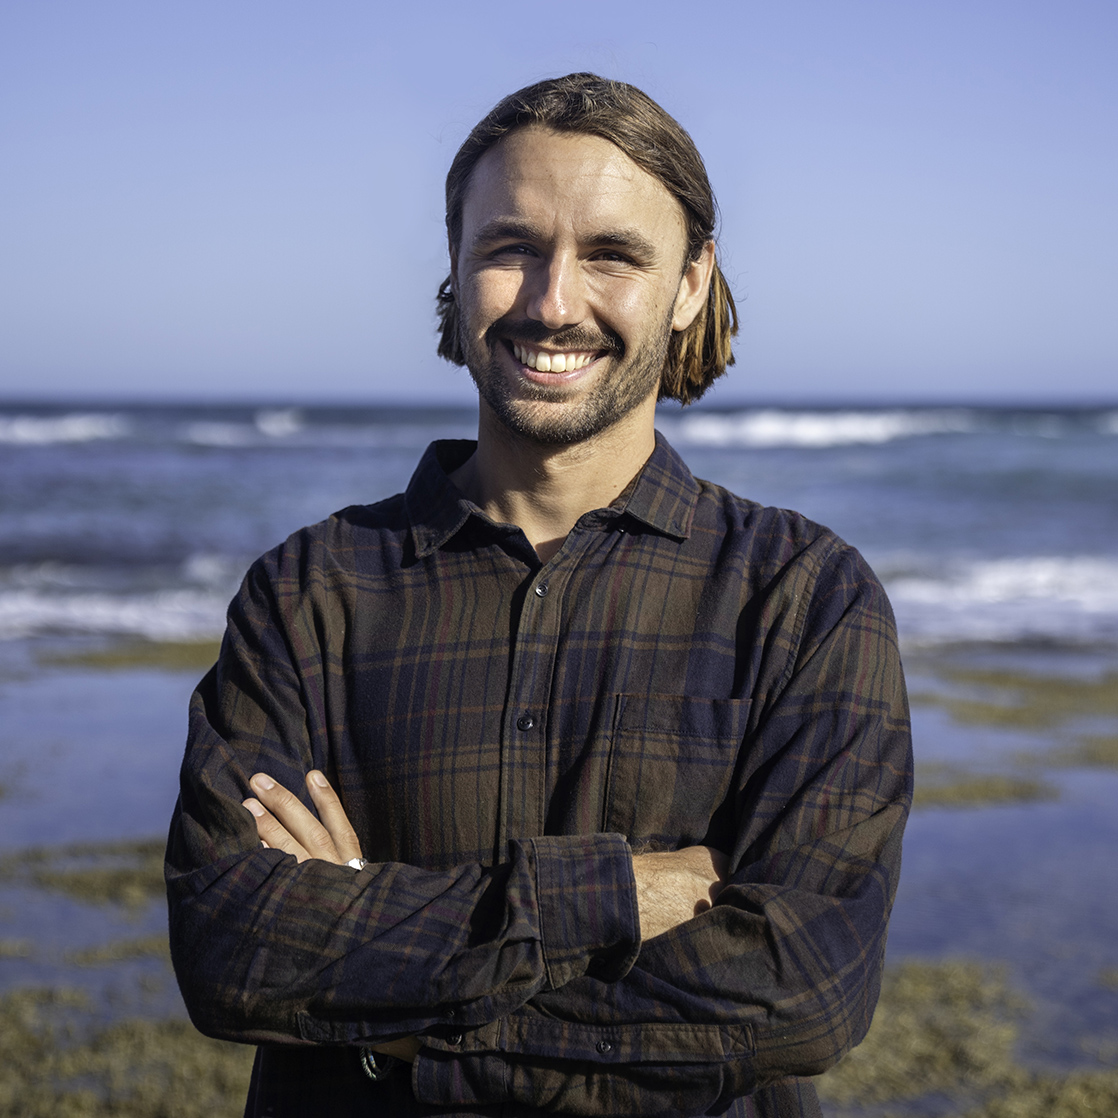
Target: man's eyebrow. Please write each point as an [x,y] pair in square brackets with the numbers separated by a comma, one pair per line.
[513,229]
[624,238]
[508,228]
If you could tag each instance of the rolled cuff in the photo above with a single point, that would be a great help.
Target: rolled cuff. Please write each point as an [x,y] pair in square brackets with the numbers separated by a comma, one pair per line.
[589,923]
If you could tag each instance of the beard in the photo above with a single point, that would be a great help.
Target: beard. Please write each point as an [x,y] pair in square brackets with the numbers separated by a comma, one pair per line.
[549,415]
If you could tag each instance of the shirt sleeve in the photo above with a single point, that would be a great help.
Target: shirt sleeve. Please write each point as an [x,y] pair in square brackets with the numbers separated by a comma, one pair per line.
[781,976]
[266,949]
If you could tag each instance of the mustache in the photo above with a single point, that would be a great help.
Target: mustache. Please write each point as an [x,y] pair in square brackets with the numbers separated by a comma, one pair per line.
[569,338]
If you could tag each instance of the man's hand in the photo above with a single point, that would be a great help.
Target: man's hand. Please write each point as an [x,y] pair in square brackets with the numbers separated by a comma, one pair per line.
[675,886]
[283,823]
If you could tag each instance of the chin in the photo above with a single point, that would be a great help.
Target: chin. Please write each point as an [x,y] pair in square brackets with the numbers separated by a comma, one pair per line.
[561,415]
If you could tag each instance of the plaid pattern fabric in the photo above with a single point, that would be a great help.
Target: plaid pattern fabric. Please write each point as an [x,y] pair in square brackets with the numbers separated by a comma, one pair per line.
[689,668]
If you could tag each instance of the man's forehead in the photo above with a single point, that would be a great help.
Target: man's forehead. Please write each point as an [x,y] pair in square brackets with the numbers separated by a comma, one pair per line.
[579,173]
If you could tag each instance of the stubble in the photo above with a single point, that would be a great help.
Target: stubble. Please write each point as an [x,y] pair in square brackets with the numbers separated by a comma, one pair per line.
[554,416]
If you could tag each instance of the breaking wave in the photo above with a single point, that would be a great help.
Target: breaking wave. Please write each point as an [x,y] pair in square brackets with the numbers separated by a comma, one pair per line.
[42,430]
[771,427]
[188,603]
[1062,599]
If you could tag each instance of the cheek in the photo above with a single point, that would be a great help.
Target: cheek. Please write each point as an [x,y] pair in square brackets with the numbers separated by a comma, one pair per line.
[489,296]
[632,307]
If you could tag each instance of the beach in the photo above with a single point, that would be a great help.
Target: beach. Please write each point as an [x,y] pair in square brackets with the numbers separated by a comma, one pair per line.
[125,530]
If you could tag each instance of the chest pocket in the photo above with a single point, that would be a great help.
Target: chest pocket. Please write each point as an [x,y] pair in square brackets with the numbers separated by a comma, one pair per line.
[672,761]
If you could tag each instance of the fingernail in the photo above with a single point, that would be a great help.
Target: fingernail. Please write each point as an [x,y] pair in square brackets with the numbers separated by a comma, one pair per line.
[319,779]
[264,783]
[254,807]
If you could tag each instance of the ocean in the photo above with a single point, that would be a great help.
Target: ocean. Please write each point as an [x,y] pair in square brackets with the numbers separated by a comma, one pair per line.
[985,524]
[124,531]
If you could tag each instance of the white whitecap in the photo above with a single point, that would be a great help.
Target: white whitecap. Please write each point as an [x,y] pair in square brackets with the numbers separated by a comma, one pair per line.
[1072,598]
[279,423]
[219,572]
[770,427]
[161,615]
[43,430]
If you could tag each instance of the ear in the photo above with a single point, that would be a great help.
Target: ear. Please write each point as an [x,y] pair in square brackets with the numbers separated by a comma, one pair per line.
[694,288]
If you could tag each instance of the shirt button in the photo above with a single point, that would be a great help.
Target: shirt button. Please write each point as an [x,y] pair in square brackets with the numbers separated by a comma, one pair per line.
[525,722]
[604,1046]
[541,590]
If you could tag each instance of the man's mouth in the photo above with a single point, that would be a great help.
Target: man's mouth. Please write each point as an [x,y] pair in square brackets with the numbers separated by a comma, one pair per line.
[548,361]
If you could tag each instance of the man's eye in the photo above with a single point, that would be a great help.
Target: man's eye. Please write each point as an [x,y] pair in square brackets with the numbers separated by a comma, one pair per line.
[513,250]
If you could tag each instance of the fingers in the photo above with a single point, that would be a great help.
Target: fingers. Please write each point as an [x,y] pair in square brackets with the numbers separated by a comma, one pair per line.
[285,824]
[272,834]
[333,816]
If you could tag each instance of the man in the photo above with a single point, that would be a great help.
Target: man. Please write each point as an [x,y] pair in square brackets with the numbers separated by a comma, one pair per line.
[627,756]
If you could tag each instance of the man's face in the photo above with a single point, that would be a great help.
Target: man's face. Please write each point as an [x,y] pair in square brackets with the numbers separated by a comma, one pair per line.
[569,277]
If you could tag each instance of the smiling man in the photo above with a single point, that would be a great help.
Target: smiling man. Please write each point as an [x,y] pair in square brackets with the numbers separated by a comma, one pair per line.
[622,760]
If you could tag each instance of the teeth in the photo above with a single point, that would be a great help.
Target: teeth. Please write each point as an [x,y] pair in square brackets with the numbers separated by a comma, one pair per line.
[544,362]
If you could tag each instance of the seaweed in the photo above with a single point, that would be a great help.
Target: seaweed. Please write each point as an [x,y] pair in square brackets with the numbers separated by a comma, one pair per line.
[938,1027]
[1020,700]
[121,950]
[54,1065]
[942,1043]
[167,656]
[128,873]
[947,786]
[1091,751]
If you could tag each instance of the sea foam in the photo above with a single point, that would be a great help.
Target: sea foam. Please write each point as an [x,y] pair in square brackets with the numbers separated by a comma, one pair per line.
[169,615]
[1065,599]
[40,430]
[771,427]
[160,604]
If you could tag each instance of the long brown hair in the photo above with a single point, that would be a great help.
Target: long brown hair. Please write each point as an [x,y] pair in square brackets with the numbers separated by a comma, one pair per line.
[652,139]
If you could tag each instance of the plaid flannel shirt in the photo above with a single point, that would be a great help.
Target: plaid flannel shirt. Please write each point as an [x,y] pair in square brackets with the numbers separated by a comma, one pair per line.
[690,667]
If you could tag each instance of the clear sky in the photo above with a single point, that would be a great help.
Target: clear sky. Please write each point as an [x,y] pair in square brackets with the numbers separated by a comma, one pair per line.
[243,199]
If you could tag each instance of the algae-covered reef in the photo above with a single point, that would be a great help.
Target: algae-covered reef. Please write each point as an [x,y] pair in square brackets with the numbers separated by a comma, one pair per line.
[53,1065]
[942,1044]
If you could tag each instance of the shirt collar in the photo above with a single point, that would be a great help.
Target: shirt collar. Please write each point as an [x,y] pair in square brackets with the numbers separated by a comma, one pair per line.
[666,493]
[663,497]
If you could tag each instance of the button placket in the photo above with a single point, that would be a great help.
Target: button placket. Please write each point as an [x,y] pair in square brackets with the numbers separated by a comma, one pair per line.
[531,671]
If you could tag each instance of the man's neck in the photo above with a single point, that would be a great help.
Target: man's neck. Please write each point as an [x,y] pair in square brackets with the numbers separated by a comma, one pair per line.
[544,489]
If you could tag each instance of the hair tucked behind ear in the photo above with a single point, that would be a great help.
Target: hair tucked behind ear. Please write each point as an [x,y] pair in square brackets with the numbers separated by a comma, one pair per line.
[653,140]
[701,352]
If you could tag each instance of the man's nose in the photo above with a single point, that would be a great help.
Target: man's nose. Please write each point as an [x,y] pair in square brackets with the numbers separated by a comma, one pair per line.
[558,297]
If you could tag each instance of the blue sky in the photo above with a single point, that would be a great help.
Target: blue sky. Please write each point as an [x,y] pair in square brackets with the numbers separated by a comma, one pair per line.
[244,199]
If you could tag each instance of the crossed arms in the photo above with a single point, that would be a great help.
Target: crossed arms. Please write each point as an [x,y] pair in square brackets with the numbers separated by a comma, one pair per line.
[671,886]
